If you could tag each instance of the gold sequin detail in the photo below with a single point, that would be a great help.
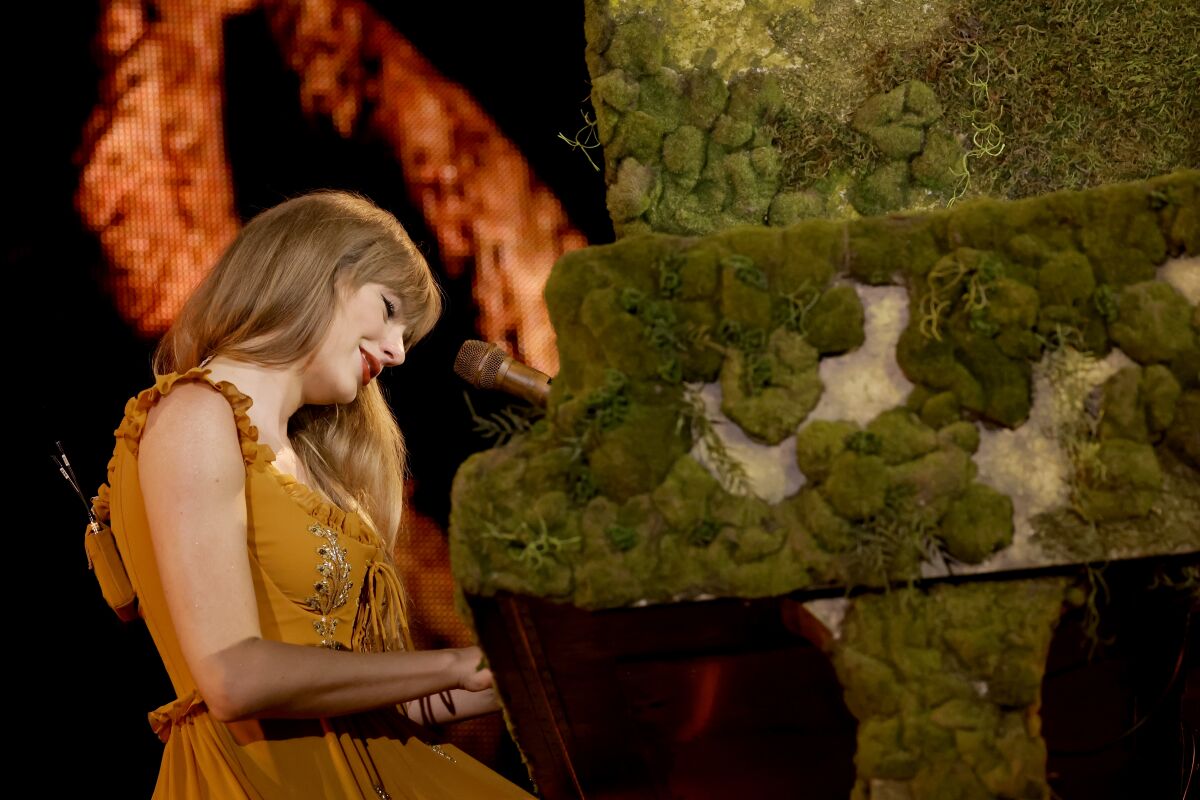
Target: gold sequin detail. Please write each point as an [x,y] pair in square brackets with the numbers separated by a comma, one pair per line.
[334,586]
[437,748]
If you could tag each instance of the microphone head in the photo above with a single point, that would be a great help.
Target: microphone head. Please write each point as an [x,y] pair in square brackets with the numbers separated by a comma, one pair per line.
[478,363]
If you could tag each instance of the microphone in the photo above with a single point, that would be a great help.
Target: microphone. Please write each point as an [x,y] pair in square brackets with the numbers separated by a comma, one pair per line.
[487,366]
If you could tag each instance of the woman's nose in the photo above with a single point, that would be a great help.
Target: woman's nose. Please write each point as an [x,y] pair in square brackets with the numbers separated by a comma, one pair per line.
[393,352]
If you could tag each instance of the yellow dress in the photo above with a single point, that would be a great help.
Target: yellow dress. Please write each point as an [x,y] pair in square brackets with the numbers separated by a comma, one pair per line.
[294,537]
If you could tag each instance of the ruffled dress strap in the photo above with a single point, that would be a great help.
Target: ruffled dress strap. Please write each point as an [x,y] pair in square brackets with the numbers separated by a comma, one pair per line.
[99,544]
[137,409]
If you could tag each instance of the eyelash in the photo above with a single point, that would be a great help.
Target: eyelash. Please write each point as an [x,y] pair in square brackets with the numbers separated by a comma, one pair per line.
[391,309]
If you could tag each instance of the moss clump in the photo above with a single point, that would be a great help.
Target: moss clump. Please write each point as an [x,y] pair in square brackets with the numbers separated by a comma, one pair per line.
[935,167]
[912,664]
[638,135]
[683,151]
[818,443]
[1184,433]
[881,191]
[835,323]
[706,96]
[902,435]
[769,394]
[1123,480]
[636,187]
[1160,392]
[1154,322]
[636,46]
[635,456]
[978,524]
[963,435]
[732,132]
[744,296]
[1066,279]
[857,485]
[616,89]
[682,498]
[935,479]
[940,410]
[790,207]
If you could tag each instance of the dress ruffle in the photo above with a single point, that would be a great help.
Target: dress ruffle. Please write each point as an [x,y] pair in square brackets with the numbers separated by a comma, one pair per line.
[164,718]
[134,422]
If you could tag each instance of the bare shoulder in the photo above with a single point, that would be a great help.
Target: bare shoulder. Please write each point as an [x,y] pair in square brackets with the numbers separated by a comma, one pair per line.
[192,428]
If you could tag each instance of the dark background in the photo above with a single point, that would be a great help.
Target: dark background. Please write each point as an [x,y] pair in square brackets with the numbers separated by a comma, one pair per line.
[94,678]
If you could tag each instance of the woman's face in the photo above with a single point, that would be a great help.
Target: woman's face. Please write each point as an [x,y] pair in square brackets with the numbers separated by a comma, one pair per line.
[366,335]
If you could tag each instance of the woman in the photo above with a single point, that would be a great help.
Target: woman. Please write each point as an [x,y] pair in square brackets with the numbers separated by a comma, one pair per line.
[259,541]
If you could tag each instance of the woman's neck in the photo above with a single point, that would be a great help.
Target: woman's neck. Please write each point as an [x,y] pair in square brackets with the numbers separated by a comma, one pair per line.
[275,392]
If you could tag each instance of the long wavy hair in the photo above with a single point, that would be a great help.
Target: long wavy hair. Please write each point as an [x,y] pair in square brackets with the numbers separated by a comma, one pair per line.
[271,299]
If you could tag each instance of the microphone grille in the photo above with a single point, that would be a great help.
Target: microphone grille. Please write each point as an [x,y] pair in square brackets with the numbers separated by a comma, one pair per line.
[478,363]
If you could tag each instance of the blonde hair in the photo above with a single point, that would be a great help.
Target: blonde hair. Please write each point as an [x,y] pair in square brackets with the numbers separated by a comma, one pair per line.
[270,300]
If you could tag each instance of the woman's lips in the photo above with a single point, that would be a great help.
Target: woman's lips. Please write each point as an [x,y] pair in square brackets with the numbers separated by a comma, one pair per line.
[371,366]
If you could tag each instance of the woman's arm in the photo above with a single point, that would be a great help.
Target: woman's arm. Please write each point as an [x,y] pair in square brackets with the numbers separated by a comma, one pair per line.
[193,483]
[454,705]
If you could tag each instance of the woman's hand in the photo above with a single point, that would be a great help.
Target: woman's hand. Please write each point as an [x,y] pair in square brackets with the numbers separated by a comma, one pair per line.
[473,677]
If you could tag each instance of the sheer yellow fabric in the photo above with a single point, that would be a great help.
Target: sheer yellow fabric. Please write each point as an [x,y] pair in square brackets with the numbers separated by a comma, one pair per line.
[320,579]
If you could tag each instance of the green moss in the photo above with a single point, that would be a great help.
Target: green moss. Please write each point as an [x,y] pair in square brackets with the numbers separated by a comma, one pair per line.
[1066,279]
[661,97]
[978,524]
[940,410]
[897,141]
[771,410]
[810,250]
[706,95]
[1184,432]
[857,485]
[1071,89]
[639,135]
[618,333]
[932,363]
[879,109]
[870,687]
[635,456]
[636,187]
[911,663]
[902,435]
[616,89]
[766,163]
[879,752]
[1124,416]
[1154,322]
[683,151]
[752,193]
[1005,382]
[682,497]
[754,95]
[935,479]
[744,302]
[636,46]
[1125,481]
[835,323]
[963,435]
[732,132]
[885,189]
[935,167]
[790,207]
[1123,239]
[818,443]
